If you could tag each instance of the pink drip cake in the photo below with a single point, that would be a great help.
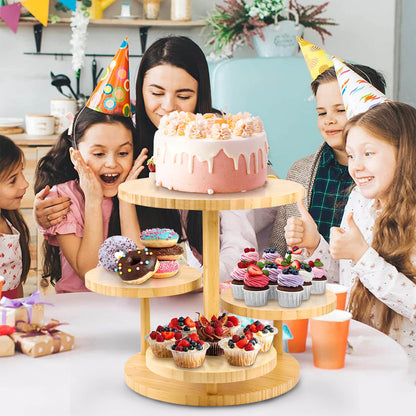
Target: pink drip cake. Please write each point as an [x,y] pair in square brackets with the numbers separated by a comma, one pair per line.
[210,153]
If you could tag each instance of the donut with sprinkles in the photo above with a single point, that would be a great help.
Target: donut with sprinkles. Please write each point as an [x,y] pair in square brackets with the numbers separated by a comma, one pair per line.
[159,237]
[137,266]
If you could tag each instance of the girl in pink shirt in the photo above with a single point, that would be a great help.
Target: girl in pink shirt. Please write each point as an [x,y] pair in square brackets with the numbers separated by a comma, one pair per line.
[90,176]
[14,233]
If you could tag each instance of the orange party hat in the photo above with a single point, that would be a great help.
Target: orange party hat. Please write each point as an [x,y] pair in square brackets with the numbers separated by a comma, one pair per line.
[112,94]
[317,59]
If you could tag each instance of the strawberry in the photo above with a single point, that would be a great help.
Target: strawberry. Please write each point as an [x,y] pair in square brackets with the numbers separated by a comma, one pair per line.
[159,338]
[178,335]
[242,265]
[201,342]
[219,331]
[235,338]
[173,322]
[168,335]
[295,264]
[189,322]
[153,335]
[278,260]
[184,343]
[249,347]
[242,343]
[234,320]
[252,328]
[209,329]
[260,327]
[282,267]
[297,250]
[194,337]
[160,328]
[248,334]
[254,270]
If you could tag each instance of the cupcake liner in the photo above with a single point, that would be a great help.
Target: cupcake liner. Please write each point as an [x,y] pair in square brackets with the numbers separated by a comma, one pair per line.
[266,340]
[318,287]
[289,299]
[190,359]
[306,292]
[214,349]
[160,349]
[273,292]
[256,297]
[237,356]
[237,291]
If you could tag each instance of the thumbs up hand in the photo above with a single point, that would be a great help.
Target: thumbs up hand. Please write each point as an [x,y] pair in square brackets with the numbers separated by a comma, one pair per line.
[302,231]
[349,244]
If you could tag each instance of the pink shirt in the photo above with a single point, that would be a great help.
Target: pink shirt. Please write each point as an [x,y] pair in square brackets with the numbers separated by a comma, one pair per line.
[74,224]
[10,259]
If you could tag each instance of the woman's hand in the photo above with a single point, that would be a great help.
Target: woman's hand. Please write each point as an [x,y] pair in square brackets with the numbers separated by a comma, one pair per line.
[350,244]
[50,211]
[302,231]
[88,181]
[137,165]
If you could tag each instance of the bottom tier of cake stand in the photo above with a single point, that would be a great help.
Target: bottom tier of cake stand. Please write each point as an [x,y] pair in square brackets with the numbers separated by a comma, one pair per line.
[275,383]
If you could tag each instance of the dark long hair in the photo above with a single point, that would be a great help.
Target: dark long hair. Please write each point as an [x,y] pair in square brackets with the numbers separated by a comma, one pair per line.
[11,156]
[56,167]
[181,52]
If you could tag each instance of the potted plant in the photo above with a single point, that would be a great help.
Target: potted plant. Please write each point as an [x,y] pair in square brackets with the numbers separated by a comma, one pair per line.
[241,22]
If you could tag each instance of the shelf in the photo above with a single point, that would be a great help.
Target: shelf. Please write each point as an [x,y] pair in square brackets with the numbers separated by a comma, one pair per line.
[214,369]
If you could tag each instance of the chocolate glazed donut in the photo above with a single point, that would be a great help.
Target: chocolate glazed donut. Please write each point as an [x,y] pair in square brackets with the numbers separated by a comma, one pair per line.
[137,266]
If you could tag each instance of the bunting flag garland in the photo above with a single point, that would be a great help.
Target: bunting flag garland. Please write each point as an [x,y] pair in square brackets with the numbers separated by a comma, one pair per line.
[11,15]
[39,9]
[70,4]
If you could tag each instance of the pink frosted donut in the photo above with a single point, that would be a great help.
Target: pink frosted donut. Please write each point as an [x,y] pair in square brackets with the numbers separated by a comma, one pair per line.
[112,249]
[166,269]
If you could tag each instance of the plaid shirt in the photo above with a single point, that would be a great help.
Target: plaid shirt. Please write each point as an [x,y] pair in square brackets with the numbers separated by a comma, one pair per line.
[330,192]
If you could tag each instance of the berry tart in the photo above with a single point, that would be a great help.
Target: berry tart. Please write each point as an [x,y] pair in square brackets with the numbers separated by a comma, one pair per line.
[213,331]
[240,351]
[162,339]
[290,288]
[319,279]
[189,351]
[263,333]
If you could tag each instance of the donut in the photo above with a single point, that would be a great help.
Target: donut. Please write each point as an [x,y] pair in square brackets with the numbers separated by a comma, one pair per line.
[159,237]
[166,269]
[111,250]
[168,253]
[137,266]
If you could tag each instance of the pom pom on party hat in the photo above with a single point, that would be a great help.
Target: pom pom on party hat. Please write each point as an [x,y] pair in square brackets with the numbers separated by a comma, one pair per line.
[317,59]
[357,93]
[112,94]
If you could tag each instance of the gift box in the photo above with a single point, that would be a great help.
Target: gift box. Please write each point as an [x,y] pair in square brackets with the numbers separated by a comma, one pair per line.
[29,310]
[37,341]
[6,343]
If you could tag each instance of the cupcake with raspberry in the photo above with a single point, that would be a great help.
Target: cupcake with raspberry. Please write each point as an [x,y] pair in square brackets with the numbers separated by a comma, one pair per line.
[213,331]
[319,279]
[240,351]
[306,272]
[232,323]
[290,288]
[256,287]
[161,341]
[189,352]
[263,333]
[249,256]
[272,271]
[237,282]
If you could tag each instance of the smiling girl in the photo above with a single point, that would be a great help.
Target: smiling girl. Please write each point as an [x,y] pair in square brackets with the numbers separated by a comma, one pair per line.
[103,159]
[14,233]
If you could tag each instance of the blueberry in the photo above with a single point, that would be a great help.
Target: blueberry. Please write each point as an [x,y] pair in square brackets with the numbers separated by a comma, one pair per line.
[191,348]
[285,271]
[185,349]
[257,323]
[265,331]
[181,318]
[231,343]
[289,252]
[199,347]
[302,266]
[186,328]
[253,341]
[173,347]
[242,336]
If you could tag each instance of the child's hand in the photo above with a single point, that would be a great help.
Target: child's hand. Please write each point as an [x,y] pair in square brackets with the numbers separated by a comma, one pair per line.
[349,244]
[137,165]
[302,231]
[50,211]
[87,179]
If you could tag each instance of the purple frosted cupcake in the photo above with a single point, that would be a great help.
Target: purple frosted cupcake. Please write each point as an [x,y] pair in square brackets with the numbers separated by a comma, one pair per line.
[273,272]
[237,282]
[290,288]
[270,254]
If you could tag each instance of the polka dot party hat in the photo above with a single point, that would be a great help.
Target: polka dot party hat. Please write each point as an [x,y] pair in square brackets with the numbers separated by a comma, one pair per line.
[317,59]
[112,94]
[357,93]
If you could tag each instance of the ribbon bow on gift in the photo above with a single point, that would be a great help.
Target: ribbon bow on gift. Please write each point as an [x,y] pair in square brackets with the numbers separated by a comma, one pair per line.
[33,299]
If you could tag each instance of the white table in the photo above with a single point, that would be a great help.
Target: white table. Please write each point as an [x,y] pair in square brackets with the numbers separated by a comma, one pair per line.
[90,379]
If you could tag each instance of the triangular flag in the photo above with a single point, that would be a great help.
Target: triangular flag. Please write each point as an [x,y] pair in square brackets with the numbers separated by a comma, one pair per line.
[39,9]
[112,94]
[70,4]
[11,15]
[357,93]
[317,59]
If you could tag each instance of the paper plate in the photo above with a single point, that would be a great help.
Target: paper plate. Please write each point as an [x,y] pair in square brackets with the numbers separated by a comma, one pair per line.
[10,122]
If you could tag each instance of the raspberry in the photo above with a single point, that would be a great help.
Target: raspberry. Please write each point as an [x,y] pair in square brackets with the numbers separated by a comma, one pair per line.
[246,250]
[219,331]
[209,329]
[229,324]
[249,347]
[178,335]
[234,320]
[153,335]
[248,334]
[253,328]
[260,327]
[179,348]
[160,328]
[214,318]
[184,343]
[217,324]
[242,265]
[242,343]
[159,338]
[252,249]
[311,263]
[236,338]
[173,322]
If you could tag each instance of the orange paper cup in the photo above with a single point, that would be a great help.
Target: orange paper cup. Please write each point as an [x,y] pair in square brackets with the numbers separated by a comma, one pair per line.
[299,331]
[341,293]
[329,335]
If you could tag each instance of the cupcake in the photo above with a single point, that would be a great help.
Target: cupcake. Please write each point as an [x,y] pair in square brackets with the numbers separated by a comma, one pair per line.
[290,288]
[272,271]
[319,279]
[297,253]
[233,324]
[239,351]
[256,288]
[161,341]
[263,333]
[249,256]
[237,282]
[306,272]
[213,331]
[189,352]
[270,254]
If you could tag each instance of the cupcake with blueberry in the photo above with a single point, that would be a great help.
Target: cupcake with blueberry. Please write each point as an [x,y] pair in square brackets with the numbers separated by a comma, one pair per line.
[270,254]
[237,282]
[256,286]
[306,272]
[213,331]
[161,341]
[319,279]
[240,351]
[290,288]
[272,271]
[263,333]
[189,352]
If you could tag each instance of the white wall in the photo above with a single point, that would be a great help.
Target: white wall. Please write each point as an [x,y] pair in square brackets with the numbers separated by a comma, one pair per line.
[365,35]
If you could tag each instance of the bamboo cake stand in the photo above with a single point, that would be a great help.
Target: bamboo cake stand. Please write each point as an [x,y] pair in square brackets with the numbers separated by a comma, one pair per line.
[215,383]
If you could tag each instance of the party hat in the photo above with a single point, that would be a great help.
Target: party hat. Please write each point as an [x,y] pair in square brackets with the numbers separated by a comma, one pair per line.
[112,94]
[357,93]
[317,59]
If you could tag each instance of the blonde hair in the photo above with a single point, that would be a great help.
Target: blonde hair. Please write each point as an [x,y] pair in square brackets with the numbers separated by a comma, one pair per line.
[395,227]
